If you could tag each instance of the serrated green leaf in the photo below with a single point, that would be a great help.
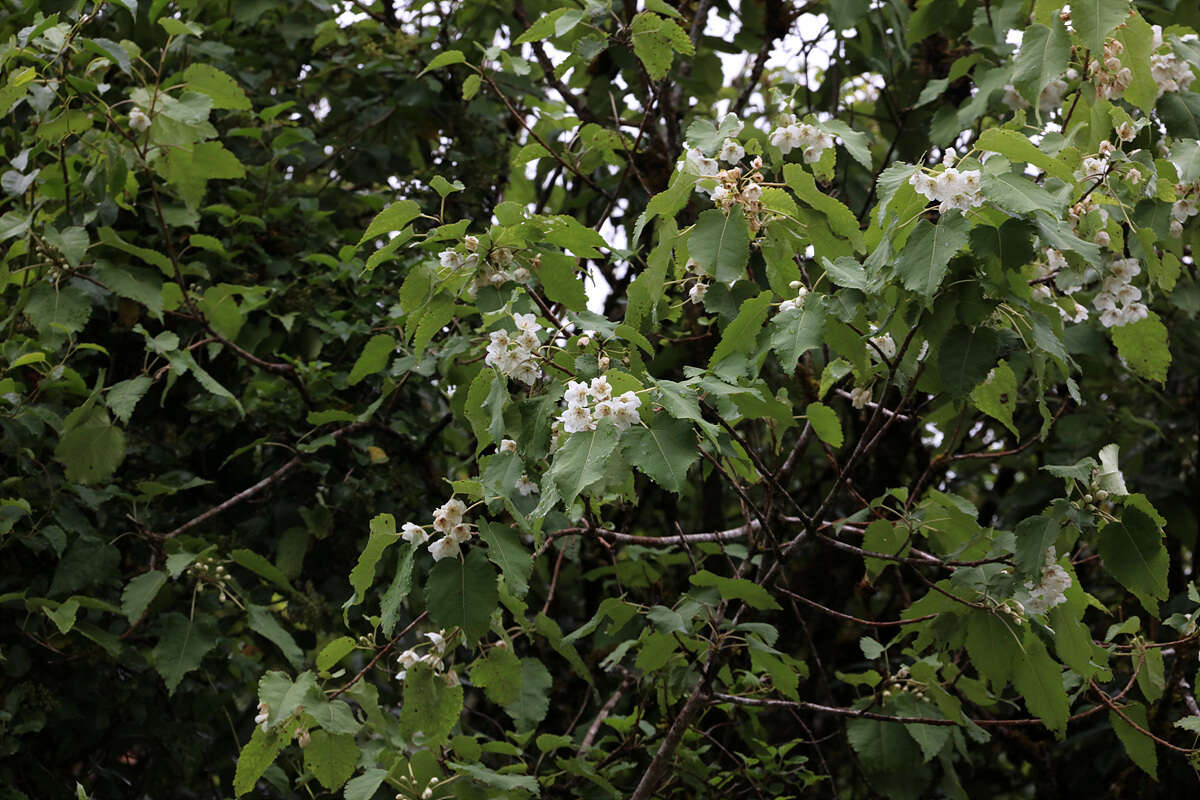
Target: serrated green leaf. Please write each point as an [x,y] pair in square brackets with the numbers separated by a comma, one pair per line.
[334,652]
[748,592]
[182,645]
[123,397]
[582,460]
[1039,680]
[825,423]
[841,219]
[392,218]
[1143,346]
[1138,745]
[258,754]
[996,396]
[463,593]
[331,758]
[965,358]
[401,586]
[498,673]
[364,786]
[383,535]
[533,702]
[497,780]
[558,279]
[140,592]
[506,552]
[882,536]
[1017,147]
[741,335]
[1042,58]
[720,243]
[1093,20]
[446,59]
[430,707]
[1133,552]
[261,567]
[923,262]
[373,358]
[263,622]
[664,450]
[223,90]
[655,42]
[92,450]
[796,331]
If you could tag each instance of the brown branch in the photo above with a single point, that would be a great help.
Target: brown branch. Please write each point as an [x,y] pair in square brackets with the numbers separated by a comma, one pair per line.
[379,655]
[626,683]
[1113,707]
[740,532]
[850,618]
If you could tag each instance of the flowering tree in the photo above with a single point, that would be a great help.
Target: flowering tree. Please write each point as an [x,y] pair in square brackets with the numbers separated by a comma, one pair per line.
[599,399]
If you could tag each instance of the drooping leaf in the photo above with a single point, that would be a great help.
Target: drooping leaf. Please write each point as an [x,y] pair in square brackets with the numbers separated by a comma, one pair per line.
[463,593]
[430,706]
[331,758]
[923,262]
[720,243]
[182,645]
[664,450]
[1133,552]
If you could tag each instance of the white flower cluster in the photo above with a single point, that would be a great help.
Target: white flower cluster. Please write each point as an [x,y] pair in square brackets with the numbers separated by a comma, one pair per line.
[433,657]
[1169,73]
[516,356]
[1118,298]
[498,265]
[263,715]
[789,135]
[885,347]
[1187,206]
[1043,278]
[798,300]
[447,520]
[1050,590]
[579,416]
[138,119]
[950,188]
[860,396]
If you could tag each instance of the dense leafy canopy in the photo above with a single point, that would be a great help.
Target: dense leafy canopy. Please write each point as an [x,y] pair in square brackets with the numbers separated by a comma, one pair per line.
[662,399]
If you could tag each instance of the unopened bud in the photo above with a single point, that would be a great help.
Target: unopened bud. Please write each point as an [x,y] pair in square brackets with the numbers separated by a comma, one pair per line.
[303,738]
[584,341]
[603,362]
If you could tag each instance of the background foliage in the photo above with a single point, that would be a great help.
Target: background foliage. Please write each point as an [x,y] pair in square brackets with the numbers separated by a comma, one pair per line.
[237,359]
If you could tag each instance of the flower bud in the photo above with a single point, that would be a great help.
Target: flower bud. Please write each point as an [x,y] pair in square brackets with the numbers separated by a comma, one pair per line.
[603,362]
[584,341]
[1102,239]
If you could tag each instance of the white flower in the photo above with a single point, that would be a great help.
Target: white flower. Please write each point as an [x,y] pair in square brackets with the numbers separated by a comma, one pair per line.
[1110,317]
[509,360]
[471,243]
[697,292]
[408,658]
[600,388]
[883,345]
[732,151]
[1055,259]
[576,419]
[700,164]
[264,713]
[439,641]
[786,138]
[527,373]
[1124,269]
[444,548]
[604,408]
[1126,132]
[520,275]
[1176,228]
[576,394]
[526,323]
[1080,314]
[1133,312]
[1051,588]
[448,515]
[139,121]
[1092,167]
[1134,175]
[506,446]
[1042,292]
[751,192]
[499,338]
[460,532]
[528,341]
[1102,238]
[860,396]
[414,533]
[1104,301]
[1107,148]
[450,259]
[526,487]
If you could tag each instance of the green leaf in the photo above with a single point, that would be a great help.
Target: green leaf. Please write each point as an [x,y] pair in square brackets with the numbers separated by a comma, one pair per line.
[182,361]
[263,622]
[720,244]
[258,754]
[446,59]
[558,278]
[189,171]
[374,357]
[553,634]
[496,780]
[1180,112]
[1138,38]
[965,359]
[334,652]
[223,90]
[664,450]
[1043,56]
[392,218]
[1133,552]
[996,396]
[992,643]
[140,592]
[463,593]
[1093,20]
[1017,147]
[1073,641]
[741,335]
[438,313]
[854,141]
[1039,680]
[123,397]
[1143,346]
[430,707]
[655,42]
[444,187]
[383,535]
[506,552]
[1138,745]
[748,592]
[533,701]
[1034,536]
[582,460]
[1018,194]
[796,331]
[825,423]
[92,450]
[331,758]
[179,27]
[882,536]
[261,567]
[841,219]
[889,754]
[401,586]
[923,261]
[54,311]
[182,645]
[63,616]
[364,786]
[498,673]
